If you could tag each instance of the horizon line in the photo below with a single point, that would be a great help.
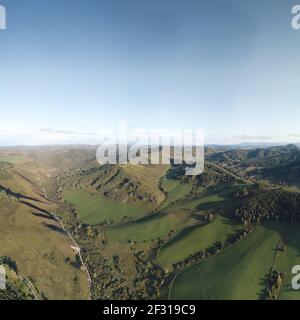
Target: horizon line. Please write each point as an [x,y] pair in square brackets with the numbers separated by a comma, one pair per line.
[270,144]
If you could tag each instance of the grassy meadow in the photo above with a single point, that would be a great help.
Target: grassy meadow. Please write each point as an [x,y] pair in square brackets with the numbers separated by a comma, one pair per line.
[94,209]
[237,273]
[150,228]
[196,238]
[290,235]
[175,190]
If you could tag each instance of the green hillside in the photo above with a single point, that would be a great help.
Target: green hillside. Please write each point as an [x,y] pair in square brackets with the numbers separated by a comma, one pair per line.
[93,209]
[149,232]
[175,190]
[237,273]
[195,239]
[152,227]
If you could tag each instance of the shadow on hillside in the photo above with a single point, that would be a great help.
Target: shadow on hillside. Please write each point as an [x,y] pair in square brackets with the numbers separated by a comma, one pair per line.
[54,228]
[43,215]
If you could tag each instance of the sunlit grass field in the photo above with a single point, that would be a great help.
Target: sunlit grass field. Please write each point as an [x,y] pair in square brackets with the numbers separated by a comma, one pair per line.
[196,238]
[237,273]
[175,190]
[93,209]
[150,228]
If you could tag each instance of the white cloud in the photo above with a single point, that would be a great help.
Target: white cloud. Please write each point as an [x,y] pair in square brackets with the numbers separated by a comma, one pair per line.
[21,135]
[12,134]
[270,138]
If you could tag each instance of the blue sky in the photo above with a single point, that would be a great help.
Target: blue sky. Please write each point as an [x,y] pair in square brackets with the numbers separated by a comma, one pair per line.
[68,67]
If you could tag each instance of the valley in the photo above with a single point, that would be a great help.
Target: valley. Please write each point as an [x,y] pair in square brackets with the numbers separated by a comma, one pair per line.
[78,230]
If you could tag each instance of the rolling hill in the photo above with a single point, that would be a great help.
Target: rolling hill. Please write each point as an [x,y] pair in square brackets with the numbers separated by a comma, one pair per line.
[78,230]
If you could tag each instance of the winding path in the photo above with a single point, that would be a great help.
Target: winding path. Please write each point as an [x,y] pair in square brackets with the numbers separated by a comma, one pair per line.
[57,219]
[30,286]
